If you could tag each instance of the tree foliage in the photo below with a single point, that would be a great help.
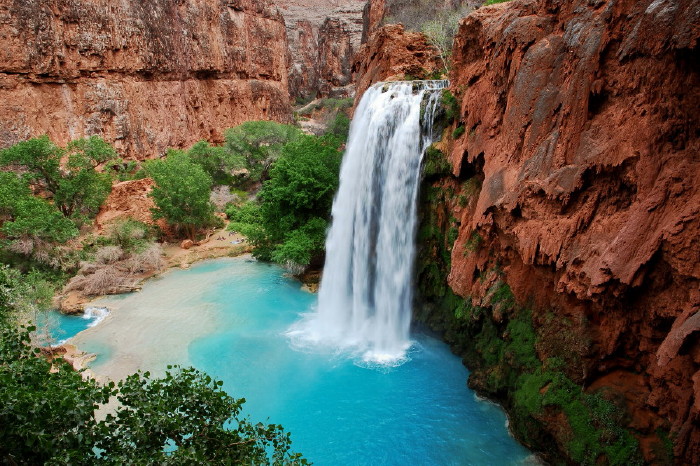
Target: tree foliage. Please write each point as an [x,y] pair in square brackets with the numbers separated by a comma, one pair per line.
[181,418]
[21,295]
[181,193]
[69,175]
[218,162]
[260,143]
[23,215]
[288,224]
[47,415]
[48,411]
[339,126]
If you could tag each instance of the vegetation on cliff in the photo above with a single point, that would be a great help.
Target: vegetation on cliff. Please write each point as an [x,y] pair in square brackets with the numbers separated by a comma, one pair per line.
[499,344]
[533,370]
[439,23]
[46,194]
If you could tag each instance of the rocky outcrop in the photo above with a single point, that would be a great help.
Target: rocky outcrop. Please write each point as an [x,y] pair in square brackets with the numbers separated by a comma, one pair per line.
[575,180]
[128,199]
[392,53]
[372,16]
[143,75]
[323,37]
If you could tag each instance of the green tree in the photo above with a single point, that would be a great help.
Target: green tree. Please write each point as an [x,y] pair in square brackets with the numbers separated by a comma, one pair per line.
[217,161]
[22,295]
[260,143]
[181,193]
[182,418]
[339,126]
[24,216]
[78,190]
[248,220]
[296,201]
[46,409]
[82,189]
[47,415]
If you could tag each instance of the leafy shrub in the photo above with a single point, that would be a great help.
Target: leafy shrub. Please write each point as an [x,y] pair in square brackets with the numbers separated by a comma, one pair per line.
[451,105]
[435,163]
[298,196]
[288,222]
[130,234]
[259,143]
[458,132]
[339,127]
[121,169]
[47,416]
[474,242]
[181,192]
[439,22]
[22,295]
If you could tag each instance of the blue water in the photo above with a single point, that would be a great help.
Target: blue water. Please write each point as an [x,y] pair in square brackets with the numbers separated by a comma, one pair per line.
[63,327]
[340,413]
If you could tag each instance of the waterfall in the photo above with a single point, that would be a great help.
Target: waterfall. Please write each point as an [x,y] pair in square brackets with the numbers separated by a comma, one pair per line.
[365,298]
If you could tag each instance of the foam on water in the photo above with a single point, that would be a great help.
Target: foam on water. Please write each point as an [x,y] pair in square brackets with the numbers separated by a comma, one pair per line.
[63,327]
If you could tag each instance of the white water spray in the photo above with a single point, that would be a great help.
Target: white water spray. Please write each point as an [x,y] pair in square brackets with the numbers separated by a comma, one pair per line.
[95,315]
[365,298]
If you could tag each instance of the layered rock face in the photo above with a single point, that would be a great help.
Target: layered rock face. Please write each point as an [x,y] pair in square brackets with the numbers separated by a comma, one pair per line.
[323,37]
[392,53]
[143,75]
[575,179]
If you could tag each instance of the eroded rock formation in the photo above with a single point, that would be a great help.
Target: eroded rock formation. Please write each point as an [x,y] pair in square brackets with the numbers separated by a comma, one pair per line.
[392,53]
[575,179]
[323,37]
[144,75]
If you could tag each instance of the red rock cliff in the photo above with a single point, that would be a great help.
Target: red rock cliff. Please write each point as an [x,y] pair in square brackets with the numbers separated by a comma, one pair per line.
[323,37]
[144,75]
[392,53]
[582,121]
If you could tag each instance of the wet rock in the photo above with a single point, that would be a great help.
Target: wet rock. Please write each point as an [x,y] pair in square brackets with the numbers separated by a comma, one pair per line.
[392,54]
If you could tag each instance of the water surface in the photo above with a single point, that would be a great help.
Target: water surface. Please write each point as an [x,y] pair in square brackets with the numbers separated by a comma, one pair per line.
[229,318]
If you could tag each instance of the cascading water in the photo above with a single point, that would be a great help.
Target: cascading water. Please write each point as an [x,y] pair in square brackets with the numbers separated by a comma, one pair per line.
[364,303]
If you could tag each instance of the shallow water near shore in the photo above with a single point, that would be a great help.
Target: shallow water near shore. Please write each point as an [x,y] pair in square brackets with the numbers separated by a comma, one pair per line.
[228,317]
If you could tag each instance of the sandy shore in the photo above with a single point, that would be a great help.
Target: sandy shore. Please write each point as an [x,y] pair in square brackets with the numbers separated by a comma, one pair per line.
[125,325]
[146,328]
[220,243]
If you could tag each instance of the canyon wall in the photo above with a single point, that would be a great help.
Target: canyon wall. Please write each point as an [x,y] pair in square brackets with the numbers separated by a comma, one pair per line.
[559,239]
[323,37]
[391,53]
[568,213]
[143,75]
